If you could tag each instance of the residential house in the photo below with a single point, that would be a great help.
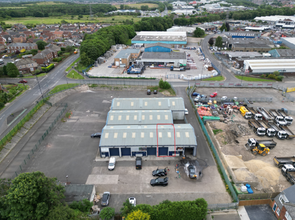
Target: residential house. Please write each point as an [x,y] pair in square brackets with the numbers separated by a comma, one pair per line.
[8,38]
[19,38]
[29,33]
[2,48]
[2,40]
[58,34]
[11,48]
[53,47]
[67,34]
[283,205]
[26,65]
[45,56]
[44,37]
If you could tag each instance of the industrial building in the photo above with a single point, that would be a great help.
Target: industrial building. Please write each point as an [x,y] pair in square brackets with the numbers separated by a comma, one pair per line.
[158,47]
[147,140]
[139,117]
[126,56]
[163,58]
[289,42]
[151,37]
[175,104]
[234,55]
[282,53]
[269,66]
[241,34]
[250,45]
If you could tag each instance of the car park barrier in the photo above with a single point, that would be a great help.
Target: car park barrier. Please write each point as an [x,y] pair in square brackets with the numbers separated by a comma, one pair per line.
[38,144]
[224,176]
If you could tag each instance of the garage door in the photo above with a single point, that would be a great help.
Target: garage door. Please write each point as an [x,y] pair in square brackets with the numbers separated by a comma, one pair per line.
[104,154]
[152,151]
[126,151]
[139,154]
[163,151]
[114,152]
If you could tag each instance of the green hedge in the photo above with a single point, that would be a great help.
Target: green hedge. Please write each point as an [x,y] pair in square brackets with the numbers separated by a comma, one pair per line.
[57,59]
[48,68]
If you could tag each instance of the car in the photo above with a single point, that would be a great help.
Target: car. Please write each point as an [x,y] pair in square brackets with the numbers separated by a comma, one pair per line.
[132,201]
[148,92]
[203,96]
[214,94]
[138,163]
[98,134]
[105,199]
[159,172]
[185,111]
[159,181]
[195,94]
[197,98]
[192,172]
[23,81]
[223,98]
[155,92]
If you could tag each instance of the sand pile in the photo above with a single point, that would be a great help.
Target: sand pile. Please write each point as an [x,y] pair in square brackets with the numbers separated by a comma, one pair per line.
[268,175]
[245,175]
[234,162]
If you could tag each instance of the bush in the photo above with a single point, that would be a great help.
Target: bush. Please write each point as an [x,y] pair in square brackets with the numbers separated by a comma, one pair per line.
[59,53]
[272,76]
[276,73]
[57,59]
[48,68]
[262,76]
[164,85]
[279,78]
[1,104]
[63,49]
[83,206]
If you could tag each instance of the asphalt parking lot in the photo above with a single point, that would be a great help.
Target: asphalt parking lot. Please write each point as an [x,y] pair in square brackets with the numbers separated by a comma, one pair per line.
[69,150]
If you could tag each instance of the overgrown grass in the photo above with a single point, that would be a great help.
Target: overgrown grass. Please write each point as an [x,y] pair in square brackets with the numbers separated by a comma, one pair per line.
[74,75]
[67,69]
[81,67]
[253,79]
[215,78]
[216,131]
[171,91]
[31,77]
[24,87]
[63,87]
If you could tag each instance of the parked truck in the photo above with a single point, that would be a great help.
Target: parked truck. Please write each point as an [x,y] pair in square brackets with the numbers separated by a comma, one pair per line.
[281,161]
[265,115]
[256,115]
[278,119]
[284,112]
[280,133]
[256,127]
[245,113]
[252,142]
[174,68]
[289,132]
[288,171]
[270,132]
[133,70]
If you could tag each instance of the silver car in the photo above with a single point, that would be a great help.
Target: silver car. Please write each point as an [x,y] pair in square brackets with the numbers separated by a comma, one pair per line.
[105,199]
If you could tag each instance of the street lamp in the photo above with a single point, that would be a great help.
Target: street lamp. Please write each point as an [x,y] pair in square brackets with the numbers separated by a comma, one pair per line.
[39,86]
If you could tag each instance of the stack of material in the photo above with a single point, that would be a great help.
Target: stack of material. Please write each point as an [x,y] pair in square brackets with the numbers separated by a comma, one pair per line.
[204,111]
[191,63]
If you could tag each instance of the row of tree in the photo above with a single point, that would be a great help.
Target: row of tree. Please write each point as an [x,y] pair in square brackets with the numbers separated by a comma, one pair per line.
[154,24]
[96,44]
[54,10]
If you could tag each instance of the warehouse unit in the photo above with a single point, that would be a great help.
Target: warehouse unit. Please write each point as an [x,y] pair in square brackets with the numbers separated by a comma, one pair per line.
[164,58]
[158,47]
[289,42]
[269,66]
[175,104]
[124,57]
[147,140]
[139,117]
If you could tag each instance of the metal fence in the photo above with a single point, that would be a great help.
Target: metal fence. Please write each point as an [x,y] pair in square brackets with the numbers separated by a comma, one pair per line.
[38,144]
[121,82]
[216,156]
[226,206]
[229,65]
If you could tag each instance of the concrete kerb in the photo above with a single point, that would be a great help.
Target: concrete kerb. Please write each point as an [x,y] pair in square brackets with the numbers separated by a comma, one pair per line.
[2,157]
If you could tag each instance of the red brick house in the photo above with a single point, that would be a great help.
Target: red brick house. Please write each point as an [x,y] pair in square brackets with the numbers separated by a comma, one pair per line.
[26,65]
[29,33]
[2,40]
[67,34]
[20,38]
[45,56]
[58,34]
[11,48]
[283,205]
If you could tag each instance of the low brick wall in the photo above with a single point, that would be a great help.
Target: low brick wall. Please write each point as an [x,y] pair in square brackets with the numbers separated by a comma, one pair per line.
[255,202]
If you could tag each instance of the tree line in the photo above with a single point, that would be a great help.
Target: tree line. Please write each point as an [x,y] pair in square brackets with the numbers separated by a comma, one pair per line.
[53,10]
[154,24]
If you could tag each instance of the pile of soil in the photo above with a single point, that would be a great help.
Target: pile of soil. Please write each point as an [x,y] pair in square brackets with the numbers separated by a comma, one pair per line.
[243,174]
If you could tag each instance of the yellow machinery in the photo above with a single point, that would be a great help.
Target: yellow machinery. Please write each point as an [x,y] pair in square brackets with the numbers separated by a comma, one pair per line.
[260,149]
[245,113]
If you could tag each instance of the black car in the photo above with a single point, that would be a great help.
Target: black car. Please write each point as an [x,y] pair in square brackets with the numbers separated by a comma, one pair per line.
[155,92]
[96,135]
[105,199]
[160,181]
[192,172]
[159,172]
[138,163]
[148,92]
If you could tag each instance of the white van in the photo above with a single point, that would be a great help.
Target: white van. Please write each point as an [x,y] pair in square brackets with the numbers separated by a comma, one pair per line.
[112,163]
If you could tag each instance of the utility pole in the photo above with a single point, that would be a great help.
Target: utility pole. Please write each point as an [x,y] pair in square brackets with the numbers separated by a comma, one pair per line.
[39,86]
[91,15]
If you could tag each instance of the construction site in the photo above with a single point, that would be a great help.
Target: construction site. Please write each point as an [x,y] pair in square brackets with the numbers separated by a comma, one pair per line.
[232,132]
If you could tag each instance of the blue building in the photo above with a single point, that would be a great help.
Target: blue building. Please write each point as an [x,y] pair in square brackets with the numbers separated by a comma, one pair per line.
[158,47]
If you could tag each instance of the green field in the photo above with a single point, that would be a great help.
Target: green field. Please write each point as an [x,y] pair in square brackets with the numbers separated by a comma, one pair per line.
[151,5]
[215,78]
[253,79]
[63,87]
[55,20]
[46,3]
[11,7]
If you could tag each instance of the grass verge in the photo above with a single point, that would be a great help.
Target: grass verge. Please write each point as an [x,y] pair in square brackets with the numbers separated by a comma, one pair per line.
[31,77]
[74,75]
[164,91]
[253,79]
[215,78]
[67,69]
[63,87]
[119,77]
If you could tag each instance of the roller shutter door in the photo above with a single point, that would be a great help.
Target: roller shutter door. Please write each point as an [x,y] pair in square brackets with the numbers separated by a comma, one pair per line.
[114,152]
[126,151]
[152,151]
[163,151]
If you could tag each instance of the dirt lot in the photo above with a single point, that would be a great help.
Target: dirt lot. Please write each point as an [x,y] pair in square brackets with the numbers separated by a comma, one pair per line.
[246,167]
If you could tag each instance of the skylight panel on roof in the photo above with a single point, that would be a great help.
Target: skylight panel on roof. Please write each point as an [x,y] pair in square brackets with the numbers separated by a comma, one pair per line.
[166,117]
[151,134]
[127,117]
[187,134]
[160,134]
[119,117]
[151,117]
[124,134]
[115,135]
[118,103]
[145,103]
[159,103]
[132,103]
[178,134]
[135,117]
[169,134]
[143,117]
[142,134]
[106,135]
[112,118]
[158,117]
[133,134]
[173,103]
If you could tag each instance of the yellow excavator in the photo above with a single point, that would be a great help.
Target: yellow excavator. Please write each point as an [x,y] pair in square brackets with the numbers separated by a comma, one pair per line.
[260,149]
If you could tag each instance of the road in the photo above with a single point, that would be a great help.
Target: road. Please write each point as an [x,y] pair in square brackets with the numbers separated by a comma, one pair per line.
[55,77]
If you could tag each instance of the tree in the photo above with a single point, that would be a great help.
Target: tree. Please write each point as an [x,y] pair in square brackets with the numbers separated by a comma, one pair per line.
[69,49]
[83,206]
[61,212]
[211,41]
[138,215]
[5,70]
[223,27]
[199,32]
[32,196]
[144,7]
[12,70]
[218,42]
[41,44]
[121,7]
[127,208]
[276,73]
[227,26]
[85,59]
[107,213]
